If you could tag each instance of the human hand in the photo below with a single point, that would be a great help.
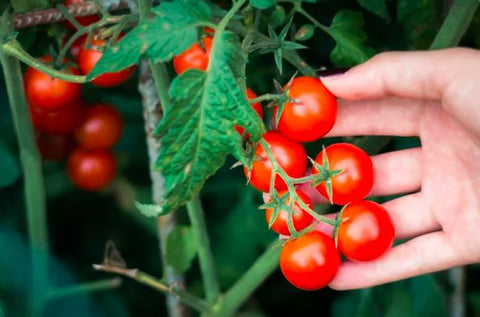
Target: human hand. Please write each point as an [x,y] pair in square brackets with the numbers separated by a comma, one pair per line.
[435,96]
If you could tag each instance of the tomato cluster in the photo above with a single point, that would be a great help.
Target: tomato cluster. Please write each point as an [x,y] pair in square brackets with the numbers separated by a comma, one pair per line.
[68,128]
[342,173]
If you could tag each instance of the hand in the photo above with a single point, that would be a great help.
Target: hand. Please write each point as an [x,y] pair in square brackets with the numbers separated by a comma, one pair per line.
[435,96]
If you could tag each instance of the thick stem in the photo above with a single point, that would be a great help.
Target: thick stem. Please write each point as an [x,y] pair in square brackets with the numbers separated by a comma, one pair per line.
[33,181]
[250,280]
[457,277]
[74,290]
[205,256]
[455,25]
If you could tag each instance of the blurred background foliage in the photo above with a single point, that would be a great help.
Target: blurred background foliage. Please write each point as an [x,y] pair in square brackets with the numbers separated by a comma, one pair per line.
[80,223]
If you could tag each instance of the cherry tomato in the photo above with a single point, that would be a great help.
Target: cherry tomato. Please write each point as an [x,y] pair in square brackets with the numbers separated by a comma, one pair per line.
[311,261]
[62,121]
[256,106]
[313,115]
[290,155]
[48,93]
[54,147]
[300,218]
[366,231]
[91,169]
[84,21]
[356,180]
[195,57]
[101,127]
[88,57]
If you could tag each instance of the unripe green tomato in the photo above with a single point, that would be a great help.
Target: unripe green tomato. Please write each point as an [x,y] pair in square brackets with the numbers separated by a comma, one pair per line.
[305,32]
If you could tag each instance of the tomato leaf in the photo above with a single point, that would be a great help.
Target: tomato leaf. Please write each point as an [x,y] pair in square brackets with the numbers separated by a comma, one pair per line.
[9,168]
[150,210]
[173,29]
[262,4]
[198,127]
[378,7]
[347,31]
[181,248]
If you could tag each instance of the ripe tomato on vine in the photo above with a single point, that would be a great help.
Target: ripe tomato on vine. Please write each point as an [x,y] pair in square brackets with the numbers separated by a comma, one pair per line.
[195,57]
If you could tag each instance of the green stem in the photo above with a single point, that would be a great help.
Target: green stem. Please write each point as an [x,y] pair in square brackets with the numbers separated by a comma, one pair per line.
[226,19]
[250,280]
[146,279]
[33,181]
[205,256]
[13,48]
[271,97]
[160,76]
[455,25]
[96,286]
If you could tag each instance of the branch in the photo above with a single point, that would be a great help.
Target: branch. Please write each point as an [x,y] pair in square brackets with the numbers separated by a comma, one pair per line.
[95,286]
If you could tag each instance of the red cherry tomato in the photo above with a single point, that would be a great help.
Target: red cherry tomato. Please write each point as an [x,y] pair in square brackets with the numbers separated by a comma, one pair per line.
[313,115]
[48,93]
[195,57]
[290,155]
[256,106]
[91,169]
[75,47]
[63,121]
[311,261]
[356,180]
[88,57]
[84,21]
[54,147]
[300,218]
[101,127]
[366,231]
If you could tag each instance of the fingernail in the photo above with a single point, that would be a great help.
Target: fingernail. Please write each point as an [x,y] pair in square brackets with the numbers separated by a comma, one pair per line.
[332,72]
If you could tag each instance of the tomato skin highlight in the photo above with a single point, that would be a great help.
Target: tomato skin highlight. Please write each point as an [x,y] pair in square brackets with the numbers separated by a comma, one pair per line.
[366,231]
[62,121]
[256,106]
[356,180]
[101,127]
[290,155]
[313,116]
[311,261]
[48,93]
[300,218]
[91,169]
[88,58]
[194,57]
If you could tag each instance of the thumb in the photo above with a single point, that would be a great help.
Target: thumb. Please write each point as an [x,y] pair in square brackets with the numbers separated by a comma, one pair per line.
[421,75]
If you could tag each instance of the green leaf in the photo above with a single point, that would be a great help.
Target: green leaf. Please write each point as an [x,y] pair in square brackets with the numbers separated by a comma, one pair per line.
[420,20]
[181,248]
[150,210]
[262,4]
[378,7]
[9,168]
[198,129]
[172,31]
[347,31]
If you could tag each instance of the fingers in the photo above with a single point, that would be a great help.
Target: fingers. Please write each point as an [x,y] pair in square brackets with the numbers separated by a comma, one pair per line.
[411,216]
[397,172]
[425,254]
[392,116]
[422,75]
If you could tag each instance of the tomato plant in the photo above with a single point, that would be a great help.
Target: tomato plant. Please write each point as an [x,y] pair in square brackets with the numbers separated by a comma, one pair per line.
[88,57]
[366,231]
[356,178]
[311,261]
[196,57]
[91,169]
[100,128]
[300,218]
[62,121]
[85,20]
[312,113]
[290,155]
[257,106]
[47,93]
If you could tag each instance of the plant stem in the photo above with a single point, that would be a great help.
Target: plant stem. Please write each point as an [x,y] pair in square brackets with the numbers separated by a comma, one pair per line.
[455,24]
[250,280]
[13,48]
[146,279]
[95,286]
[33,180]
[274,97]
[205,256]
